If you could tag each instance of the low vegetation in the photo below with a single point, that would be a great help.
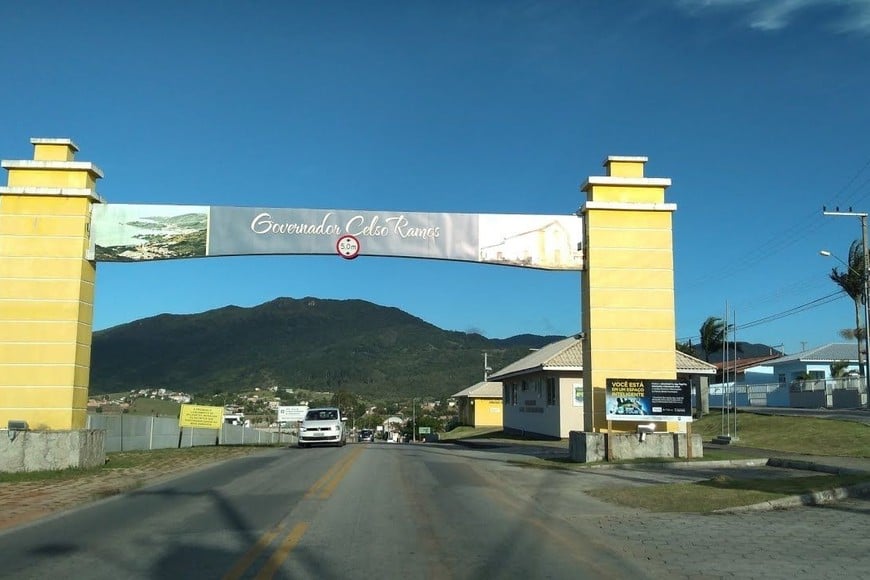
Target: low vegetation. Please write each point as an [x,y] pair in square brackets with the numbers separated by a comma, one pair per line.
[806,435]
[157,460]
[777,434]
[720,492]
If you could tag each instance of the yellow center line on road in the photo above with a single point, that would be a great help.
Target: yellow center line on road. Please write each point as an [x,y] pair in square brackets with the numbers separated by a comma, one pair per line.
[325,486]
[339,475]
[332,472]
[278,556]
[245,561]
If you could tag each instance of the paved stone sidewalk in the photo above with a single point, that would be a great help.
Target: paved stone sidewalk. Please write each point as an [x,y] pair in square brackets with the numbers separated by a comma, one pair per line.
[27,501]
[808,542]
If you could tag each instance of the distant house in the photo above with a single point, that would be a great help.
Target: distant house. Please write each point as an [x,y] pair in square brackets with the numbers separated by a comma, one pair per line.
[542,393]
[808,377]
[750,371]
[392,427]
[480,405]
[803,380]
[815,363]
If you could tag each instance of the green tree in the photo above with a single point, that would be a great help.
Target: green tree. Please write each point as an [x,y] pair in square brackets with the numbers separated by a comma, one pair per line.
[712,336]
[851,281]
[349,404]
[370,421]
[839,369]
[434,423]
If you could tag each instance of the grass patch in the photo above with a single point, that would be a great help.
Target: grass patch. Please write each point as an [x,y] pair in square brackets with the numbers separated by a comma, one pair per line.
[720,492]
[466,432]
[156,407]
[148,459]
[721,455]
[807,435]
[49,476]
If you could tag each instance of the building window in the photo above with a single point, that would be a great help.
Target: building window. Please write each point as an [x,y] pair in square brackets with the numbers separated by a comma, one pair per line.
[525,386]
[538,387]
[551,391]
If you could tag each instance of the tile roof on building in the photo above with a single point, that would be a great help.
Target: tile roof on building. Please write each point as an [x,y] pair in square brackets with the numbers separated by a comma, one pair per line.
[689,364]
[742,364]
[483,389]
[831,352]
[567,355]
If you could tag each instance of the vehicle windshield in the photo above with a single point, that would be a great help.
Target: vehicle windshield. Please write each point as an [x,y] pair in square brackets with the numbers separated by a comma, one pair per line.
[322,415]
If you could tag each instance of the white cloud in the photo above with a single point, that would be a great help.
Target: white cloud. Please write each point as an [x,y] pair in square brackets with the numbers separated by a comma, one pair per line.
[767,15]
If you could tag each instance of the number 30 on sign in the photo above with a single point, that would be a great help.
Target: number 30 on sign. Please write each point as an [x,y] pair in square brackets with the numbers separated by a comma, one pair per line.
[347,247]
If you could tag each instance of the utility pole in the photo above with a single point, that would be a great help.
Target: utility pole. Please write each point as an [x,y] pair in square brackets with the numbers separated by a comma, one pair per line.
[414,420]
[865,275]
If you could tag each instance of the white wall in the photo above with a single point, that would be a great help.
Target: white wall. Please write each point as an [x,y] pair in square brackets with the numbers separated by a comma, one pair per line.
[531,412]
[571,411]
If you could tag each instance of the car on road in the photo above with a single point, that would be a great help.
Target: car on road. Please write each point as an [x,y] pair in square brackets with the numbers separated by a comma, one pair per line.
[322,426]
[365,435]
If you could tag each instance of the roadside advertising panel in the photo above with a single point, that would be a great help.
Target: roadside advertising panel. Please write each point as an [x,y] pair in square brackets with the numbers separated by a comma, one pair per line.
[648,400]
[201,416]
[291,413]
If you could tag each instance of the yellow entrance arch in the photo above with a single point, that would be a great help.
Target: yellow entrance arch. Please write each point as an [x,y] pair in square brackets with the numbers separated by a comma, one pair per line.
[47,276]
[46,287]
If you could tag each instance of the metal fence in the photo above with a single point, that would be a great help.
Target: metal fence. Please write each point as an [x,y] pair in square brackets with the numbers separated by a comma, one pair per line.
[844,393]
[138,432]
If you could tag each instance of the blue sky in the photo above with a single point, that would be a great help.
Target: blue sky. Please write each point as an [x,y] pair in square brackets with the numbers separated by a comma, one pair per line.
[758,111]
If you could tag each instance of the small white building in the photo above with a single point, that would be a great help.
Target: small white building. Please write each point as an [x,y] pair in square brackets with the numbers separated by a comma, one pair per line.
[542,393]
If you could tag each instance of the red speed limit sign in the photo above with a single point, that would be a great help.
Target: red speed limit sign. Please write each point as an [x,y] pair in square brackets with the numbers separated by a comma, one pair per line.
[347,247]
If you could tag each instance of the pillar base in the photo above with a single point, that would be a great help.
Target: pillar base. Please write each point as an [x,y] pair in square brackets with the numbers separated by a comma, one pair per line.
[586,447]
[51,450]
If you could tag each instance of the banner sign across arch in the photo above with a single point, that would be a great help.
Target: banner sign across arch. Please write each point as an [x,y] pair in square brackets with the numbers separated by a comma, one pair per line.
[131,233]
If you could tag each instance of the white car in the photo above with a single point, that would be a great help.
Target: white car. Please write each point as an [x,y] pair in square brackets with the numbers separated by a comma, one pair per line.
[322,426]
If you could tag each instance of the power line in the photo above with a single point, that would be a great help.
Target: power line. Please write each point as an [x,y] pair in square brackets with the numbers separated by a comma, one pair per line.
[790,234]
[784,314]
[850,192]
[796,310]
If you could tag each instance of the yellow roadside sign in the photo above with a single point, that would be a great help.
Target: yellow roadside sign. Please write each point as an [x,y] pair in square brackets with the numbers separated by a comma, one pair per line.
[201,416]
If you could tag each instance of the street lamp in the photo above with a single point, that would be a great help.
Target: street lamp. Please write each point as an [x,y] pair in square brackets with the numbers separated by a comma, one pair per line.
[865,295]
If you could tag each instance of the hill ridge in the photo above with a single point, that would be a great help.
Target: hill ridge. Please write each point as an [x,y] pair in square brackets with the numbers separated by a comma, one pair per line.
[312,343]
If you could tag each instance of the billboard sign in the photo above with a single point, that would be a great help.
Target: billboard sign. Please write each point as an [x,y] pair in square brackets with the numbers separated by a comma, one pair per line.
[132,233]
[648,400]
[291,413]
[201,416]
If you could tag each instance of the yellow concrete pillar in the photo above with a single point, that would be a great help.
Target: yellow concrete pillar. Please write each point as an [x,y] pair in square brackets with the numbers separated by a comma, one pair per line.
[628,284]
[46,287]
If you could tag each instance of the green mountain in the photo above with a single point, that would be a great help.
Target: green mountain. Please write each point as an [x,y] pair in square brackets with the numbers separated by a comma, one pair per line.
[307,343]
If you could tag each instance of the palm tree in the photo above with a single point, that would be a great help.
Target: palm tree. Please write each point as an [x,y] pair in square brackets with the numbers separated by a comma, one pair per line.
[851,281]
[712,335]
[839,369]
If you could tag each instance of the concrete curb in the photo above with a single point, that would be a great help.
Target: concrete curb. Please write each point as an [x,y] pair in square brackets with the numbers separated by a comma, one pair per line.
[813,466]
[816,498]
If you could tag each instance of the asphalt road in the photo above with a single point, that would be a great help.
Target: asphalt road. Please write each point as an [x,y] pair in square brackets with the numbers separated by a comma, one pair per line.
[363,511]
[383,511]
